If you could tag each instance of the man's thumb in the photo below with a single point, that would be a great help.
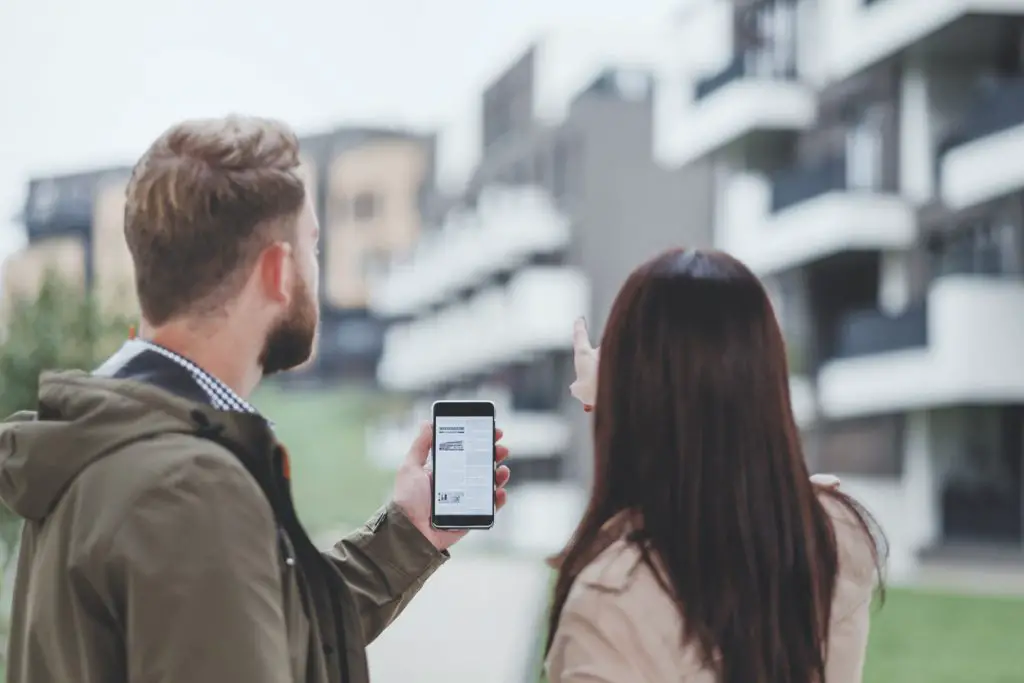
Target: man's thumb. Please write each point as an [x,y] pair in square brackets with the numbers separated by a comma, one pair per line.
[420,449]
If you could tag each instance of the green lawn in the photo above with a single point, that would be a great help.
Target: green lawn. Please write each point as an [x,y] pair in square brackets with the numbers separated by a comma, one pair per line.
[924,637]
[333,482]
[920,637]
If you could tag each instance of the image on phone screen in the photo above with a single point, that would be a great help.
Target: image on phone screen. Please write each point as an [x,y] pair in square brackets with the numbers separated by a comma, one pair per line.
[463,461]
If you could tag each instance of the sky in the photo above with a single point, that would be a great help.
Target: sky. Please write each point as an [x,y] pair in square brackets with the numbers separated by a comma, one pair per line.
[88,84]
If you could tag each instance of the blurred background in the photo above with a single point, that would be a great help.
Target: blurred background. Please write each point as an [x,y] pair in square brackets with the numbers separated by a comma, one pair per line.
[485,173]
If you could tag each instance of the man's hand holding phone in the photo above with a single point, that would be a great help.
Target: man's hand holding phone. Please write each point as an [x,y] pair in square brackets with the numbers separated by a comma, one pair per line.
[414,491]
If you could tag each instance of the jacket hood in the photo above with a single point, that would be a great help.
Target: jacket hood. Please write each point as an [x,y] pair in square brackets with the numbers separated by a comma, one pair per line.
[82,418]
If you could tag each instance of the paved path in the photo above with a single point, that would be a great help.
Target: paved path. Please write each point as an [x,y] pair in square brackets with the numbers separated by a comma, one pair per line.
[476,621]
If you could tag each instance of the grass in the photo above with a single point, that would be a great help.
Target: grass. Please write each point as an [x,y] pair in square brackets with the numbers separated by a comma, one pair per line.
[334,484]
[927,637]
[920,637]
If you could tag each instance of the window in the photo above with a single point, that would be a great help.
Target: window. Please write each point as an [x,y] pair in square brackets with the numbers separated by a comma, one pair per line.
[978,459]
[540,384]
[985,246]
[767,38]
[365,206]
[868,447]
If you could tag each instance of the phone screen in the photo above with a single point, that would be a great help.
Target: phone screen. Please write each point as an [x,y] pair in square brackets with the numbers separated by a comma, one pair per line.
[463,459]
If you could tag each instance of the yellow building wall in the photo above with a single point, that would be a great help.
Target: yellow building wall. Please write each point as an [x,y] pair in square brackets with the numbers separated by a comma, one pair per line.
[113,271]
[393,171]
[24,271]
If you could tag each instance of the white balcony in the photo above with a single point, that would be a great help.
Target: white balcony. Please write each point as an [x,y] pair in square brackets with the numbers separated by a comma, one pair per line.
[989,162]
[532,314]
[831,220]
[860,33]
[735,110]
[974,336]
[510,226]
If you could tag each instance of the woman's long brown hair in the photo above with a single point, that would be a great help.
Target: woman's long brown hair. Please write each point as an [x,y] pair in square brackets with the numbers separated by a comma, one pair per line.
[694,434]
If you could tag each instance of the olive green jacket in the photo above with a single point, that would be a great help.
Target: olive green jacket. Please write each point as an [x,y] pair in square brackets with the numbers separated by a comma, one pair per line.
[161,546]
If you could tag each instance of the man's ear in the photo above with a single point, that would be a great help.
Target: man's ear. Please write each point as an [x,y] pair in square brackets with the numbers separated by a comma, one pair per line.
[276,270]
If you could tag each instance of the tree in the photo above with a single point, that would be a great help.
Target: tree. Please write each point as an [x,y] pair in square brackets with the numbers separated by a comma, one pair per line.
[61,327]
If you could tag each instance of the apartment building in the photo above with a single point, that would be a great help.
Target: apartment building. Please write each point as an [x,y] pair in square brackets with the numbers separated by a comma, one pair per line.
[367,185]
[566,199]
[869,165]
[73,224]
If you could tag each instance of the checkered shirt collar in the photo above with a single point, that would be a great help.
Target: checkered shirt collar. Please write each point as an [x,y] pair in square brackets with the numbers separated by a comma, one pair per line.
[221,396]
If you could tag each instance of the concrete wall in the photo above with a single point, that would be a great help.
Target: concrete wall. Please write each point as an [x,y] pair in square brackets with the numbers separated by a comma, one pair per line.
[626,210]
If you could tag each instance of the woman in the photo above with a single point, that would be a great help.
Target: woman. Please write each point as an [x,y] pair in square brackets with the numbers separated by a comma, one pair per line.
[706,555]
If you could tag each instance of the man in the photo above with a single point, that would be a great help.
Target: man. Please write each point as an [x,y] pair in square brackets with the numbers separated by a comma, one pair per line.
[161,544]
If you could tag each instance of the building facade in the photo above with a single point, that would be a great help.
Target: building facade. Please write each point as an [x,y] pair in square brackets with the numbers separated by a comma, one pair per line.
[565,201]
[867,166]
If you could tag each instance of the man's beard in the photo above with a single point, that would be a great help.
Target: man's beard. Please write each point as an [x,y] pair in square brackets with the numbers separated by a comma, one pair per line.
[290,342]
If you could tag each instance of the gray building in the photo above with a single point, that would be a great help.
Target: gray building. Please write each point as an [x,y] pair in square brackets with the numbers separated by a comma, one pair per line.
[556,214]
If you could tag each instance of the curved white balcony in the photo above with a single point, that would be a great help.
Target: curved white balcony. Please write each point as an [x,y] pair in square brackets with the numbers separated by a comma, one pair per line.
[973,334]
[820,219]
[729,108]
[987,160]
[860,33]
[532,314]
[509,226]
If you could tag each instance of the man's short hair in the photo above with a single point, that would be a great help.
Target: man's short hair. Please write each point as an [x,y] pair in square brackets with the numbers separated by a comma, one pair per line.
[203,201]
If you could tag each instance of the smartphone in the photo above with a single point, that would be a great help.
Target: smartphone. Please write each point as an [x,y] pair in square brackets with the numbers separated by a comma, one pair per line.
[463,459]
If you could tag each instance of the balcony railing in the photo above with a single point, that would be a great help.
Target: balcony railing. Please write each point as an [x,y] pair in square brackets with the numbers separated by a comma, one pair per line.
[745,66]
[796,185]
[734,71]
[865,333]
[987,262]
[997,108]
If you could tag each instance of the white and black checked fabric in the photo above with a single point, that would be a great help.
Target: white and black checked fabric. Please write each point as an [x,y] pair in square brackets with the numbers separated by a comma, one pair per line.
[221,396]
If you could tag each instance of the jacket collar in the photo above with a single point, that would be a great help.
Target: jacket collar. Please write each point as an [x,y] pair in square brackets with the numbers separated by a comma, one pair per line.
[249,433]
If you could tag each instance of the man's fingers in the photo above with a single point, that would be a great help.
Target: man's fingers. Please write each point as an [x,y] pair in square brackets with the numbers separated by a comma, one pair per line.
[580,336]
[500,498]
[498,433]
[501,476]
[419,452]
[500,453]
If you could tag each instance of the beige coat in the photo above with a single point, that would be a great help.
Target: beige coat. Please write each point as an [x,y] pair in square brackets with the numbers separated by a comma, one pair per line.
[618,626]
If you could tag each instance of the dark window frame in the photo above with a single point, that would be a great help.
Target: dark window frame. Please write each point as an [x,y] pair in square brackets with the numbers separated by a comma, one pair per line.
[365,206]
